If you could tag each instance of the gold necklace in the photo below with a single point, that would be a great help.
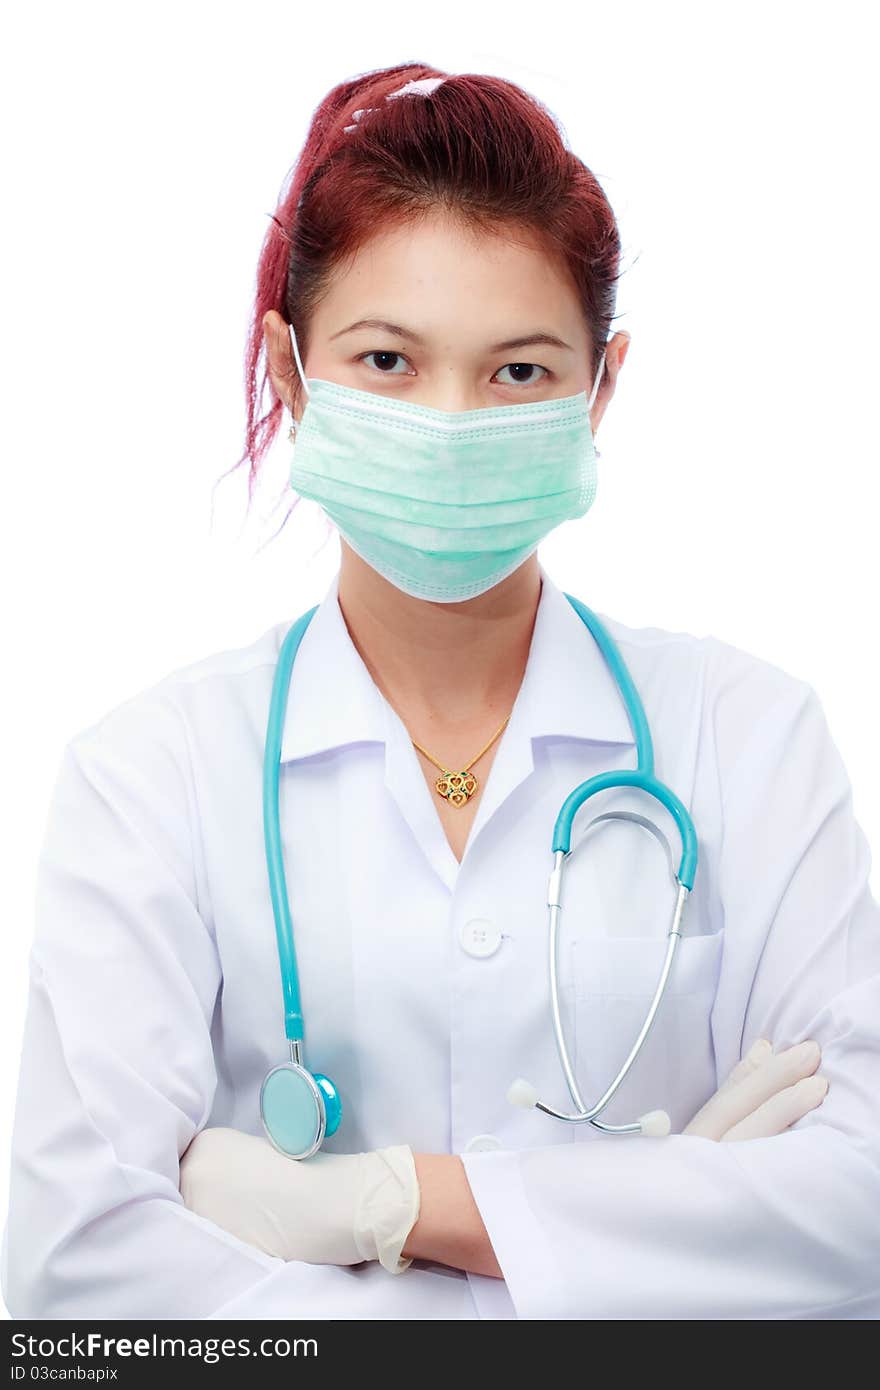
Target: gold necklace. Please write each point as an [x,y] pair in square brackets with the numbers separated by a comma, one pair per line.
[458,787]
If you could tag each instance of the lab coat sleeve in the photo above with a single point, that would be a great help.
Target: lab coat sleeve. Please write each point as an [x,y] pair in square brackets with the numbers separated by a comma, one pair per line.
[117,1071]
[786,1227]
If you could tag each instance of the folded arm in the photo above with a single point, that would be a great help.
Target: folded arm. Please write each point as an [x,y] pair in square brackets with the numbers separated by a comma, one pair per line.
[779,1227]
[117,1071]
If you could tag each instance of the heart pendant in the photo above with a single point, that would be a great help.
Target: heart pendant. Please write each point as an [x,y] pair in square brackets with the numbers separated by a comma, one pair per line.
[456,787]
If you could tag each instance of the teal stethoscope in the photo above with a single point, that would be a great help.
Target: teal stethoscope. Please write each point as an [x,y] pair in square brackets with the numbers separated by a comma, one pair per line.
[299,1108]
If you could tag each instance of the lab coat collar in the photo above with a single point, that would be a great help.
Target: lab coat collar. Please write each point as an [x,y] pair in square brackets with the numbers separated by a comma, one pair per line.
[333,700]
[567,689]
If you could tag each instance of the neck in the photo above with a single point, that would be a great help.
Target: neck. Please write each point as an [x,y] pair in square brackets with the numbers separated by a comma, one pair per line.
[445,665]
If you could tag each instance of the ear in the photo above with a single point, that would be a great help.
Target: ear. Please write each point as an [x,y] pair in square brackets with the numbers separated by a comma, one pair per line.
[279,356]
[615,354]
[623,339]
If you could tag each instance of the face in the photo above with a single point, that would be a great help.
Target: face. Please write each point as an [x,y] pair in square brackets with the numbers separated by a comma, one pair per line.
[455,317]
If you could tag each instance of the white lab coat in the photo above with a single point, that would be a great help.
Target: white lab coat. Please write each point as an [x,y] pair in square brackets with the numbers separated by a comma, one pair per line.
[155,1003]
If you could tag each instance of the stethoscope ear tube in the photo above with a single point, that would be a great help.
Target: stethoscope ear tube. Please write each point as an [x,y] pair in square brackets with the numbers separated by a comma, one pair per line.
[656,1122]
[644,781]
[521,1093]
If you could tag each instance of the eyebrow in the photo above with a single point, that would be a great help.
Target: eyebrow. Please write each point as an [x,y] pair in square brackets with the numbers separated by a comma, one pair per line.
[550,339]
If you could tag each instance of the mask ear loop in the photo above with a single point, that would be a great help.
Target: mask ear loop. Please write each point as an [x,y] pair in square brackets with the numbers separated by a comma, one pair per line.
[593,395]
[595,390]
[302,377]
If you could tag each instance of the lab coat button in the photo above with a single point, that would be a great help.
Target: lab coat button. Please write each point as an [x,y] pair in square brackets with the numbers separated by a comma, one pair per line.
[480,937]
[481,1142]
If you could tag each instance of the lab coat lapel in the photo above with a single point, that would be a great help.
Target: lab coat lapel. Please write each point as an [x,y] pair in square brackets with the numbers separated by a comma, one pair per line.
[512,766]
[406,783]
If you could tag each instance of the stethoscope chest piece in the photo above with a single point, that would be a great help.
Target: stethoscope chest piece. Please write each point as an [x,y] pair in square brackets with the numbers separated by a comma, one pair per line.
[299,1109]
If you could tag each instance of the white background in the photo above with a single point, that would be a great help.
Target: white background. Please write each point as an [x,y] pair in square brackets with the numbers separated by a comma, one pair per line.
[145,148]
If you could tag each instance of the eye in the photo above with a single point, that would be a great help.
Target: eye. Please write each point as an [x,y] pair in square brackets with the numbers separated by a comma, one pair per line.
[523,367]
[383,364]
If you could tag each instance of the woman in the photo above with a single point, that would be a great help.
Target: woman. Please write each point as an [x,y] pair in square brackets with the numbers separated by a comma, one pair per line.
[440,250]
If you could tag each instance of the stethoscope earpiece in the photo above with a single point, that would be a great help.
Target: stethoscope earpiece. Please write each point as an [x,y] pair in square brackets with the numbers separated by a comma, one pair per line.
[656,1124]
[522,1093]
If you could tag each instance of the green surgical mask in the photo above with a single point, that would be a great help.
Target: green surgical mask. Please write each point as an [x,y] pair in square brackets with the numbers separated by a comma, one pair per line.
[444,504]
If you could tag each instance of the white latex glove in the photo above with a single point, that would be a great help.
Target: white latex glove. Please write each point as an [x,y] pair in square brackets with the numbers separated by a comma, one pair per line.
[327,1209]
[764,1094]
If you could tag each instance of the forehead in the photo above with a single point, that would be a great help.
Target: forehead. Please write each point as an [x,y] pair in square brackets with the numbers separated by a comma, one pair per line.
[437,271]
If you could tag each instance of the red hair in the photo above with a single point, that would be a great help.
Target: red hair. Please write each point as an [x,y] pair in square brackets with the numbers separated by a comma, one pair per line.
[477,145]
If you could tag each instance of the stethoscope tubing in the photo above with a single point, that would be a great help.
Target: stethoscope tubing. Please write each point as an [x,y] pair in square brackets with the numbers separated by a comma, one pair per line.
[642,777]
[293,1018]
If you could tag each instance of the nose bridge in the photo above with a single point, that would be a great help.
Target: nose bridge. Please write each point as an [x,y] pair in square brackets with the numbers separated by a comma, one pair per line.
[455,388]
[451,386]
[453,394]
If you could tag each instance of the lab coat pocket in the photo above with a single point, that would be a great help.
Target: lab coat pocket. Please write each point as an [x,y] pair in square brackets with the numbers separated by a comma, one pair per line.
[614,978]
